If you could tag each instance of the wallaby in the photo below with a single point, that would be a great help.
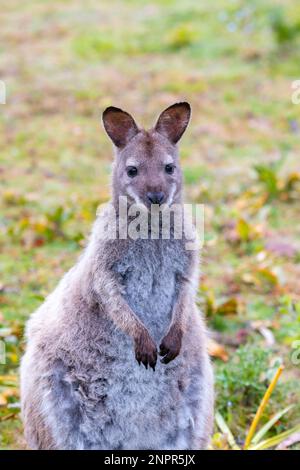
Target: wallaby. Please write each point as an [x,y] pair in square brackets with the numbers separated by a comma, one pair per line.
[85,380]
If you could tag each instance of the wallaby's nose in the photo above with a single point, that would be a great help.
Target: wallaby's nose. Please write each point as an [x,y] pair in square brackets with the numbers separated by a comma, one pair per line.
[155,198]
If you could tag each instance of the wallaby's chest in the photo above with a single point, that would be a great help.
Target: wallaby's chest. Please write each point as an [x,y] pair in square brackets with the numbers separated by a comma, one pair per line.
[149,272]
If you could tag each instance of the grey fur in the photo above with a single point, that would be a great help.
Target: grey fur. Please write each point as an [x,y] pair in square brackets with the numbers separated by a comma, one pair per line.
[81,385]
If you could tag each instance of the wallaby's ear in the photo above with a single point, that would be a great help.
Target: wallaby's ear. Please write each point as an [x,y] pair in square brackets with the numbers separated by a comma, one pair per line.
[119,125]
[173,121]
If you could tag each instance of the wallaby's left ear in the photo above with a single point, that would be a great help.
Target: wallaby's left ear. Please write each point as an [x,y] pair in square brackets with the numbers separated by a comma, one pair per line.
[173,121]
[119,125]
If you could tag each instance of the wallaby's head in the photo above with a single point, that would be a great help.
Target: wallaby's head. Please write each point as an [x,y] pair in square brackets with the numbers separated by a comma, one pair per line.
[147,167]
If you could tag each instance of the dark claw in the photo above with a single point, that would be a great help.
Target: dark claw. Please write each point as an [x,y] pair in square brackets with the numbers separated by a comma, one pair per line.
[153,363]
[163,351]
[169,354]
[170,345]
[145,351]
[168,358]
[138,357]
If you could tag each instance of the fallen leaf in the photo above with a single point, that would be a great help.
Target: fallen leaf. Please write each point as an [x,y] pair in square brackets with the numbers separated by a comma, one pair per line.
[292,179]
[8,378]
[293,439]
[230,307]
[243,229]
[3,400]
[7,417]
[248,278]
[11,392]
[217,350]
[265,275]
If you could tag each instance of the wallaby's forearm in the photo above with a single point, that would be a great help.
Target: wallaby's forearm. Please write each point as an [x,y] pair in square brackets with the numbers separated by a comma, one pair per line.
[114,305]
[101,256]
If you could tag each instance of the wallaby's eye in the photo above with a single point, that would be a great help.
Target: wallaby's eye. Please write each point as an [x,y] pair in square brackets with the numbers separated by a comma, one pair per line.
[169,168]
[131,171]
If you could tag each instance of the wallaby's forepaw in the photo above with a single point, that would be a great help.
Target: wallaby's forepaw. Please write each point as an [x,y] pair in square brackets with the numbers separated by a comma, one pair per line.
[170,345]
[145,350]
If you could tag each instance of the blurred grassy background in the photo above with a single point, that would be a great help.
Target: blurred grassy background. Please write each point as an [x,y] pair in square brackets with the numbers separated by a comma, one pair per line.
[63,62]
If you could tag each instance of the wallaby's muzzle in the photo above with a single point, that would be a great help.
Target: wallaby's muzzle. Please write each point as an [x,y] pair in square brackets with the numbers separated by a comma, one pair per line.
[156,198]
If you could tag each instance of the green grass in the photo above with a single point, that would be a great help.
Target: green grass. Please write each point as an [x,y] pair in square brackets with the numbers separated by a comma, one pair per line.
[63,63]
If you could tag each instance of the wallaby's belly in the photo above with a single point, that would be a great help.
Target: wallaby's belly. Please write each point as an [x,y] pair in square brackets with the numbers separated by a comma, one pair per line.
[117,404]
[149,273]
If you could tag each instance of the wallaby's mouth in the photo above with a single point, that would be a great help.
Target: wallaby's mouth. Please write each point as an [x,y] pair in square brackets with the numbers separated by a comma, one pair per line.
[150,199]
[159,206]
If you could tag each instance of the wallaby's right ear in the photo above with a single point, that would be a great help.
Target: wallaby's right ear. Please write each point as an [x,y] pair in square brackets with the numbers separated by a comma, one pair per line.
[119,125]
[173,121]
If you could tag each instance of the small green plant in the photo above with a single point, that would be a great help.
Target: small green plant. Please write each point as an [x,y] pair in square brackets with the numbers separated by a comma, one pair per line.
[268,175]
[180,37]
[255,441]
[274,186]
[284,31]
[242,381]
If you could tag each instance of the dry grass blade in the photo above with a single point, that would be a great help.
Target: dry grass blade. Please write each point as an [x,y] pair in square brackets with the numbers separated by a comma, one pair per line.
[262,407]
[258,436]
[225,430]
[293,439]
[8,378]
[7,417]
[274,441]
